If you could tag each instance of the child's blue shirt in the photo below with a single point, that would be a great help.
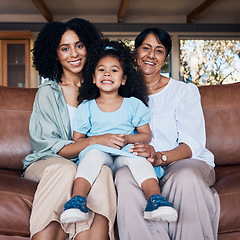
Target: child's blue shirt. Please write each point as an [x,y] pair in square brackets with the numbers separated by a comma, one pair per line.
[91,121]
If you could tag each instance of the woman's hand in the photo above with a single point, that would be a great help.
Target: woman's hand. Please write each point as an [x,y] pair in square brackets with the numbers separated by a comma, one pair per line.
[111,140]
[182,151]
[147,151]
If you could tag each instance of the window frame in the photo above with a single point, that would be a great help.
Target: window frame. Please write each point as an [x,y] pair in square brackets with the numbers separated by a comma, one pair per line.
[174,63]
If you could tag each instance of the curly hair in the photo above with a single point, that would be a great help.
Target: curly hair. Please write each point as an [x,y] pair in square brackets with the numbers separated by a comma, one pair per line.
[134,86]
[45,47]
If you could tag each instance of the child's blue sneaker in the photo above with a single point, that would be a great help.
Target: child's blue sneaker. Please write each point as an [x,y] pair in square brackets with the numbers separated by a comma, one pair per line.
[160,209]
[75,210]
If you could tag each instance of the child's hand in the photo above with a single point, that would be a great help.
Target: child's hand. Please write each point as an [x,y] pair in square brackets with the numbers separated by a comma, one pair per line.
[125,138]
[112,140]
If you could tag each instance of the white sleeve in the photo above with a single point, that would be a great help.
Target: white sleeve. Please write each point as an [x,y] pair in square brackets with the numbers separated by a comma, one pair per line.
[190,119]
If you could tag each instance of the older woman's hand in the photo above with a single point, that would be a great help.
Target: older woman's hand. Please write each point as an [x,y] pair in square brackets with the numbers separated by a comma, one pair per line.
[147,151]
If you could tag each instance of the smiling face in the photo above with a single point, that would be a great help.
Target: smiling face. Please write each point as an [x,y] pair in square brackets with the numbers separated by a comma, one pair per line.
[108,75]
[72,53]
[151,55]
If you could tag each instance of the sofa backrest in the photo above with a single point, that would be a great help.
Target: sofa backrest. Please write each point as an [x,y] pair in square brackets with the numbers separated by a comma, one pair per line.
[15,110]
[221,107]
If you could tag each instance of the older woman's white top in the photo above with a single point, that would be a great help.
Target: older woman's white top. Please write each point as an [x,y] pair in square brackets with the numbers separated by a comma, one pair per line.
[177,117]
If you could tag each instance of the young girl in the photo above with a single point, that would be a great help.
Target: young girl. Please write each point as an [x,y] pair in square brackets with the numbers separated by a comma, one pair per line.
[111,103]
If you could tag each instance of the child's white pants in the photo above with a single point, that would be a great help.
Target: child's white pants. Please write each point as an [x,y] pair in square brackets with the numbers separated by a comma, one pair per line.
[90,166]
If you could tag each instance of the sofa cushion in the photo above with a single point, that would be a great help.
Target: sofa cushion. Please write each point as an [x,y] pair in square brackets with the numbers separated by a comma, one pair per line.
[221,107]
[2,237]
[16,197]
[228,188]
[15,110]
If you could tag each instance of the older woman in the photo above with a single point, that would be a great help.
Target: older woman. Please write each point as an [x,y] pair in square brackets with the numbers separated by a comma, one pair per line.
[178,144]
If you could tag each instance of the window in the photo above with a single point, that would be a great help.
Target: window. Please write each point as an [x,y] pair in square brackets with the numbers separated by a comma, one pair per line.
[209,61]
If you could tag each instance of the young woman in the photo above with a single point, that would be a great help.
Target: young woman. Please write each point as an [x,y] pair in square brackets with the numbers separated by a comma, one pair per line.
[60,54]
[111,107]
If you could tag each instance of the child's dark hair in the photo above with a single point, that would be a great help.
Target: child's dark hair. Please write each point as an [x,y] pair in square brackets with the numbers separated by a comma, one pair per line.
[45,47]
[134,86]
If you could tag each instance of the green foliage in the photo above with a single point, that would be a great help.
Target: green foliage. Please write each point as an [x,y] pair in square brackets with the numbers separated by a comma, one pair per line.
[129,43]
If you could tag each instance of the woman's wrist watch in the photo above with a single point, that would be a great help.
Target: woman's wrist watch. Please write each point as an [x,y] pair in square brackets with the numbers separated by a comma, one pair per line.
[163,157]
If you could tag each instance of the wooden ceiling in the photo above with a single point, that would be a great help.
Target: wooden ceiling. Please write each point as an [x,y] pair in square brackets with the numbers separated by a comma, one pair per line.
[201,9]
[118,12]
[43,9]
[193,16]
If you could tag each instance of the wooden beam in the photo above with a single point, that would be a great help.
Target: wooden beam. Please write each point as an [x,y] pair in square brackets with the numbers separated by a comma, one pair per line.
[122,10]
[200,10]
[41,6]
[15,35]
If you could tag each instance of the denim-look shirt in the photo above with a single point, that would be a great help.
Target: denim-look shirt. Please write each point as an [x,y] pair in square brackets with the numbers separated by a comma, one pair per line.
[49,126]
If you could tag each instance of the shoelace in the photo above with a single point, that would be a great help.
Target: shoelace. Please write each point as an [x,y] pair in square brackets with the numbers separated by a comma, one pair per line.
[159,200]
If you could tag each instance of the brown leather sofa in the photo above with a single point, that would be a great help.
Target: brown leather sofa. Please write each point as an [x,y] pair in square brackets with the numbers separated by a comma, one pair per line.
[221,106]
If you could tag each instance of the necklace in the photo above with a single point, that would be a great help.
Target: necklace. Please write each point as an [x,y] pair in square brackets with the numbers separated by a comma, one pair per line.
[155,85]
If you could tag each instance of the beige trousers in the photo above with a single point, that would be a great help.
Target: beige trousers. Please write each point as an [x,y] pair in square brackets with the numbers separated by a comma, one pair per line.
[56,177]
[187,184]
